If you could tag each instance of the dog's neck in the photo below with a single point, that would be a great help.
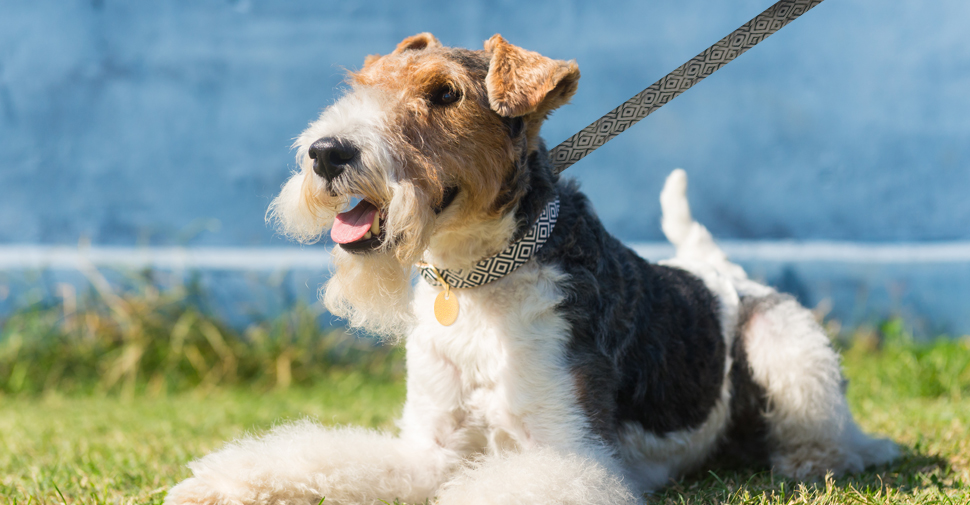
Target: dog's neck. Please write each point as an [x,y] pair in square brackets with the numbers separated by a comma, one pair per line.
[461,247]
[498,266]
[540,188]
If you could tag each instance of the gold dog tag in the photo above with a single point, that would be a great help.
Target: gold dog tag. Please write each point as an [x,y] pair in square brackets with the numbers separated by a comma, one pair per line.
[446,307]
[446,303]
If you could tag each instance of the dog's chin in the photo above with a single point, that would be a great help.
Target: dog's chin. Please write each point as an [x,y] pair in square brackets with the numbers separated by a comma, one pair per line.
[370,291]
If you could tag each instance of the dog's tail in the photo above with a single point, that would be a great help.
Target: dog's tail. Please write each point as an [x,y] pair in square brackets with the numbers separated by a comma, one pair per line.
[677,221]
[692,240]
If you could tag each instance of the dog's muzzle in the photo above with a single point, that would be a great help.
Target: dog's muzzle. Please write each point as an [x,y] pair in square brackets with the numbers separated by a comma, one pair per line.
[331,156]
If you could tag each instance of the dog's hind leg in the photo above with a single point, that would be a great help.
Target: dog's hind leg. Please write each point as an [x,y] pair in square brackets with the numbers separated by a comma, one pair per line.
[811,430]
[304,462]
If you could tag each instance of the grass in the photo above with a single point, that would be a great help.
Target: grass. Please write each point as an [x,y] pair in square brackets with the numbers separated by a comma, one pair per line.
[103,399]
[105,449]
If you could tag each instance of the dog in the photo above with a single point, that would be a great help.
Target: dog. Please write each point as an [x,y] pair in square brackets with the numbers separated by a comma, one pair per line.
[546,362]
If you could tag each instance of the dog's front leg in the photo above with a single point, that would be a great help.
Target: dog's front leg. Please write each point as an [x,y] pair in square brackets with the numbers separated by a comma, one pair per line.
[537,476]
[539,448]
[304,462]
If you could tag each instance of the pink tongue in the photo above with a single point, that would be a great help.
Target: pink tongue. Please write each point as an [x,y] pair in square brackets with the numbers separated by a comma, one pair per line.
[352,225]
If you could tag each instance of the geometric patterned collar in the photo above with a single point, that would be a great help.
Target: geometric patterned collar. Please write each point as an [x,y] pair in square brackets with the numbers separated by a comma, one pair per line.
[503,263]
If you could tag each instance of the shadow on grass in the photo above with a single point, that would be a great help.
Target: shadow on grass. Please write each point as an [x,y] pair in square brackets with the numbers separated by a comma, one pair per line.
[926,478]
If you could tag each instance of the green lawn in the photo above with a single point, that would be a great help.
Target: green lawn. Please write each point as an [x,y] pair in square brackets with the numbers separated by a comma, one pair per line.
[125,433]
[110,450]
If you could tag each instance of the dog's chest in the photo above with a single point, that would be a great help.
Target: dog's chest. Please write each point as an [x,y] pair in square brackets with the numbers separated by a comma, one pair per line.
[500,367]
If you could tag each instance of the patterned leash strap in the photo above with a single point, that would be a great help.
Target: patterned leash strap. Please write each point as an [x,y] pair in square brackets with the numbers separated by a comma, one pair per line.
[666,89]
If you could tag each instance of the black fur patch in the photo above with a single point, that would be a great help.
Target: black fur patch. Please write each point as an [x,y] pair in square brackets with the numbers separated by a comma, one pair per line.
[746,439]
[646,342]
[515,126]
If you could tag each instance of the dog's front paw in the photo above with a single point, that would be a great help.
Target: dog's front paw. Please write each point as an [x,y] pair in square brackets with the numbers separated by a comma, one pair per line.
[196,491]
[540,476]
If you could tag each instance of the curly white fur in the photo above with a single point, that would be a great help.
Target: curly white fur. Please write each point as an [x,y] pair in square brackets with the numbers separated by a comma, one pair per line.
[304,462]
[541,476]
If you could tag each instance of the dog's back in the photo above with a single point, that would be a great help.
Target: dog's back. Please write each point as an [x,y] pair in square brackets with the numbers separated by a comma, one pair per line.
[646,340]
[677,360]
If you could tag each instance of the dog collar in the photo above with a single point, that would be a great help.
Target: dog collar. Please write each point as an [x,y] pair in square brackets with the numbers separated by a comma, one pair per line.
[500,265]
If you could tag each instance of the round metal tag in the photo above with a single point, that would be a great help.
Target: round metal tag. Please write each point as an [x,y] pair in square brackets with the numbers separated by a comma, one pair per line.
[446,308]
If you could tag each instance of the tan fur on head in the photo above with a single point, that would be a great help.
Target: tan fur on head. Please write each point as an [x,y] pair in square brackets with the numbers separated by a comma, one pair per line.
[417,42]
[464,145]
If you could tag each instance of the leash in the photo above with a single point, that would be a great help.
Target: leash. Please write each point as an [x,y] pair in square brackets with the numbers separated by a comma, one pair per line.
[673,84]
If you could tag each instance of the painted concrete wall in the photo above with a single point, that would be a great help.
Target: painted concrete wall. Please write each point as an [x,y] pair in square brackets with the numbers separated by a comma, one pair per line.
[169,122]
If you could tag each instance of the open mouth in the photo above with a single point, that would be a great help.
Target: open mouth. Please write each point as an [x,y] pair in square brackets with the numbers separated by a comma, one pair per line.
[361,229]
[358,229]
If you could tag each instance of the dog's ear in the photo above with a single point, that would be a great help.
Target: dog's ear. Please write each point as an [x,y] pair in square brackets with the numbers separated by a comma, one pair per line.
[412,43]
[521,82]
[417,43]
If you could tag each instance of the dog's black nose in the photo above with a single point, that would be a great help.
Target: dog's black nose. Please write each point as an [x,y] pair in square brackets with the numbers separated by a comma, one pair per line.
[331,156]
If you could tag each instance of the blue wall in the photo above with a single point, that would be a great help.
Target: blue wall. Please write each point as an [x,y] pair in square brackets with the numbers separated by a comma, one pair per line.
[169,122]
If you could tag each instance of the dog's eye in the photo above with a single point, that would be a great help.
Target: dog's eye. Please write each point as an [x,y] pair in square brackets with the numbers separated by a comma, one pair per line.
[445,95]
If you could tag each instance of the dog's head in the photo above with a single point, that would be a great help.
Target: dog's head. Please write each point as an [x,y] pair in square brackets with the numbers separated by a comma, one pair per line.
[423,158]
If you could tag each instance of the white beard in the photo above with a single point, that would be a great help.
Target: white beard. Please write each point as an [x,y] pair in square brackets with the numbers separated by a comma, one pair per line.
[372,292]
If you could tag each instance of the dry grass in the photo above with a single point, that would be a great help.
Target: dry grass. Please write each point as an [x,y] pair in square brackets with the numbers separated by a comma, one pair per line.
[147,341]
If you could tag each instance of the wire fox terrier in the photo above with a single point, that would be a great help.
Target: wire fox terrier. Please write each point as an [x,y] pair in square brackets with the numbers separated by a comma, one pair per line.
[564,370]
